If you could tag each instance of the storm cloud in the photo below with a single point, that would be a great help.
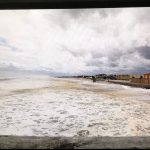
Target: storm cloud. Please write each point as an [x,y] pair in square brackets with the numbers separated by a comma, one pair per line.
[144,51]
[76,41]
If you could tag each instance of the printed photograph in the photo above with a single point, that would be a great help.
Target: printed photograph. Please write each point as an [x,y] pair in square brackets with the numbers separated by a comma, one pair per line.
[75,72]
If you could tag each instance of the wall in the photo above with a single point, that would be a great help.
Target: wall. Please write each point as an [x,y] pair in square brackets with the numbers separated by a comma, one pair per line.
[123,77]
[147,76]
[142,81]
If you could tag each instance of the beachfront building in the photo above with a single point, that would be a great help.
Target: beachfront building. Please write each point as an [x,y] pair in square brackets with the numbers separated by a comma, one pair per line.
[136,76]
[123,77]
[145,79]
[147,75]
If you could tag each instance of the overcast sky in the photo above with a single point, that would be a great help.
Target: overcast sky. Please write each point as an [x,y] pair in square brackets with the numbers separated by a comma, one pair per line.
[77,41]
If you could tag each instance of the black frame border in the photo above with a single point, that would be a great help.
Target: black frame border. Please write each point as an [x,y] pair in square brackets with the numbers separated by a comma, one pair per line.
[71,4]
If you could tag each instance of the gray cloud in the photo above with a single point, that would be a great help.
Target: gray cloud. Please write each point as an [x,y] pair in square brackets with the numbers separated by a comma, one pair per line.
[65,17]
[144,51]
[5,43]
[103,12]
[143,15]
[78,41]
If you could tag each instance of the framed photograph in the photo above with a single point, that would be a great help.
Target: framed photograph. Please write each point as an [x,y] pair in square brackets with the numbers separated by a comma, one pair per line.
[74,74]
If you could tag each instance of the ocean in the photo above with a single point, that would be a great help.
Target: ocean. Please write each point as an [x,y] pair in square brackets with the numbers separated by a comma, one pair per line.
[36,105]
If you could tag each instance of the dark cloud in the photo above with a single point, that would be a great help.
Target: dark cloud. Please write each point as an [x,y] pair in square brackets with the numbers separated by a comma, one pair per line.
[108,40]
[77,13]
[96,54]
[140,70]
[116,25]
[144,51]
[103,12]
[3,41]
[113,64]
[74,13]
[82,16]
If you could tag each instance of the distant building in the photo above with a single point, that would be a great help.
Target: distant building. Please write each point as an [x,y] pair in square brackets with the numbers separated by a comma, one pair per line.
[123,77]
[144,79]
[137,76]
[147,75]
[147,78]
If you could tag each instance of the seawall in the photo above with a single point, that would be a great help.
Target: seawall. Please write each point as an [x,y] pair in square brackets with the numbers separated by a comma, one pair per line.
[32,142]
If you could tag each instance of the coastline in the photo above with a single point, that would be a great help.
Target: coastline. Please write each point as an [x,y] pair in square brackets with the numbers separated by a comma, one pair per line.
[123,82]
[146,86]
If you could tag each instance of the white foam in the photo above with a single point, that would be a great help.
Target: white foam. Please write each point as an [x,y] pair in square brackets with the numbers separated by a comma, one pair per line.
[66,112]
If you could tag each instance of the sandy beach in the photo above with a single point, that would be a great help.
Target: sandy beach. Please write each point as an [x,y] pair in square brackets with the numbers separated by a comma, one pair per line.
[72,108]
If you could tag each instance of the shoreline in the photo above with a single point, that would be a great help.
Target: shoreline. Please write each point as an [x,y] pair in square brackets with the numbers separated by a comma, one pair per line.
[101,142]
[138,85]
[123,82]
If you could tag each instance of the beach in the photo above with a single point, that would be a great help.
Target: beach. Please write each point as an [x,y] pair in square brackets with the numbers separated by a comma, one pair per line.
[69,107]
